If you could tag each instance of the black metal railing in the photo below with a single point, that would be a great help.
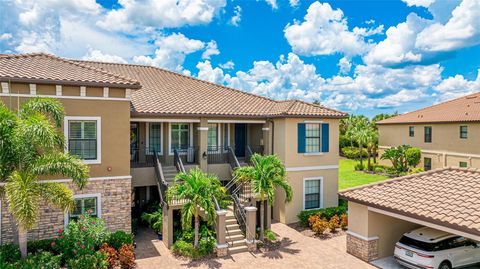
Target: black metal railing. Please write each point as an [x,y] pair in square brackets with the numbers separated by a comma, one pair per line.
[178,162]
[161,183]
[253,149]
[232,159]
[217,154]
[239,212]
[187,155]
[143,157]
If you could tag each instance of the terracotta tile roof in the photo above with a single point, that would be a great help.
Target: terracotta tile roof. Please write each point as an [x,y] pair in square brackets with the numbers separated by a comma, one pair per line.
[449,197]
[463,109]
[33,68]
[168,93]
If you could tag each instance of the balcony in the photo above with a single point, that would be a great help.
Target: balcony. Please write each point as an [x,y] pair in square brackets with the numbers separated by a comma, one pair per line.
[143,157]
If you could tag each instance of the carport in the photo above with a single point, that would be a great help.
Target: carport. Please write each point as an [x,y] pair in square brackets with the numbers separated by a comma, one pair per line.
[379,214]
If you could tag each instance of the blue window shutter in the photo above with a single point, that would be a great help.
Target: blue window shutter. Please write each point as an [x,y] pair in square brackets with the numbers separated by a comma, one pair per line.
[301,138]
[325,137]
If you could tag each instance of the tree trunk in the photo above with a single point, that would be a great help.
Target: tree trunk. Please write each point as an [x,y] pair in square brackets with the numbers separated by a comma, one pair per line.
[22,241]
[197,228]
[360,147]
[374,154]
[262,218]
[369,166]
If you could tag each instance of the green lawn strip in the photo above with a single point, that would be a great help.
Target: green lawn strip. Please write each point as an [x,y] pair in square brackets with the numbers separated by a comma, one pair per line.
[349,178]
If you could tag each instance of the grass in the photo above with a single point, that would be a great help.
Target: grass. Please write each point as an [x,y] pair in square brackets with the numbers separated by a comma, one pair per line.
[349,178]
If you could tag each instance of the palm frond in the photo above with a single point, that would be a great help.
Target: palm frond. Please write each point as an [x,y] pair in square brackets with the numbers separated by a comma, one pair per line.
[61,164]
[38,133]
[47,106]
[22,197]
[56,194]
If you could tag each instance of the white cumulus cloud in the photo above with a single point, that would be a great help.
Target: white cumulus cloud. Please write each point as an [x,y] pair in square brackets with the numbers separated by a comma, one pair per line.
[97,55]
[237,16]
[419,3]
[211,49]
[325,31]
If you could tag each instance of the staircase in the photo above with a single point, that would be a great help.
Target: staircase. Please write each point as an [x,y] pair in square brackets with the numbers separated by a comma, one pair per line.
[169,172]
[234,236]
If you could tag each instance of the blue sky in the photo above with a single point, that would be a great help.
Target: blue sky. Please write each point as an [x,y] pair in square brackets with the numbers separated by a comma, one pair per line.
[363,57]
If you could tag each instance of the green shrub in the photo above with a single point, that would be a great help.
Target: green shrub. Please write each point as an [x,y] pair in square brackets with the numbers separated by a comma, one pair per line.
[353,153]
[416,170]
[119,238]
[82,237]
[184,249]
[359,167]
[154,220]
[413,156]
[378,168]
[9,253]
[40,260]
[269,235]
[41,245]
[97,260]
[326,213]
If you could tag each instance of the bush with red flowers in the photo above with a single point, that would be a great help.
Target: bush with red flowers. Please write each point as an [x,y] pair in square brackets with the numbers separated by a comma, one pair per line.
[82,237]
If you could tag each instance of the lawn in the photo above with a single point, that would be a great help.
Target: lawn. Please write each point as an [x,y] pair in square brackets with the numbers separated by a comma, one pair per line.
[349,178]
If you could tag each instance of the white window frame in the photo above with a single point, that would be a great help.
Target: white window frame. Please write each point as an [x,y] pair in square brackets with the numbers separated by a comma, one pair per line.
[319,152]
[86,195]
[147,137]
[321,192]
[66,126]
[190,130]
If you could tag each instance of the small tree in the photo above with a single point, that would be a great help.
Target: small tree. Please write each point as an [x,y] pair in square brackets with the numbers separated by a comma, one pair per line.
[413,156]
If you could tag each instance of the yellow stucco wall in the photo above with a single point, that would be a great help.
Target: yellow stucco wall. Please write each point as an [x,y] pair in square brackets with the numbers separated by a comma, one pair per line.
[115,126]
[446,148]
[312,166]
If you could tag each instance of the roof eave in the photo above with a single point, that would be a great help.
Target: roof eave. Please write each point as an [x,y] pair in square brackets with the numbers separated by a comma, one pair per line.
[70,82]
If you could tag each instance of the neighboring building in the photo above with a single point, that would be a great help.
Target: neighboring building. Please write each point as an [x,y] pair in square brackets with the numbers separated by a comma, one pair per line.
[143,114]
[379,214]
[447,133]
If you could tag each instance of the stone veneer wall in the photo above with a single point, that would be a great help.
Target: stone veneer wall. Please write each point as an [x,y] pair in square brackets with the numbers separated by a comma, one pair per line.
[115,208]
[366,250]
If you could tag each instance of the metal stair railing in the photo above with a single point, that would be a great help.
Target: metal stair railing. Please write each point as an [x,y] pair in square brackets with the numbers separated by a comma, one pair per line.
[177,161]
[161,183]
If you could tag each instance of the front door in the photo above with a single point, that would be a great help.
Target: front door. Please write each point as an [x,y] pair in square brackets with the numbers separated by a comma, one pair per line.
[240,139]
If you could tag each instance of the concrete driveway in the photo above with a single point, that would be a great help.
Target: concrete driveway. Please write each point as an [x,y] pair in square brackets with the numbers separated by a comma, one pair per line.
[297,251]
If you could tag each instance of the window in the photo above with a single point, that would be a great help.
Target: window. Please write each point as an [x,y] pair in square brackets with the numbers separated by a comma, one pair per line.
[312,138]
[427,164]
[83,137]
[180,133]
[463,132]
[428,134]
[85,204]
[213,135]
[154,137]
[226,135]
[313,190]
[463,164]
[411,131]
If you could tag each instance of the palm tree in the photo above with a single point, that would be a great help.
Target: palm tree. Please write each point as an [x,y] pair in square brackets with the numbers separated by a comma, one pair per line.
[371,143]
[266,174]
[32,148]
[198,188]
[360,134]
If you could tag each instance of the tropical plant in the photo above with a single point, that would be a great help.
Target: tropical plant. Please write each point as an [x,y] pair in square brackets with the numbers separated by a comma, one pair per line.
[119,238]
[361,135]
[413,156]
[198,189]
[372,142]
[265,176]
[126,257]
[154,220]
[403,158]
[31,148]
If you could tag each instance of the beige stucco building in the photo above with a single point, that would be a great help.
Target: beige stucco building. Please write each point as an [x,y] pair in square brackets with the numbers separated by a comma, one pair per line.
[151,123]
[448,133]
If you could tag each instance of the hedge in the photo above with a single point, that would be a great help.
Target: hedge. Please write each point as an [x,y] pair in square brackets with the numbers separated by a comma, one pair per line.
[324,212]
[352,153]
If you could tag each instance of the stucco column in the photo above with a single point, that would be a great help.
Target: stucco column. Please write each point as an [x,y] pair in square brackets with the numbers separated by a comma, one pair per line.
[267,131]
[203,144]
[167,229]
[251,223]
[222,246]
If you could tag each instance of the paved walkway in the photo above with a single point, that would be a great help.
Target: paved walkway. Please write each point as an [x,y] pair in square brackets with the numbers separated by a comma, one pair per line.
[297,251]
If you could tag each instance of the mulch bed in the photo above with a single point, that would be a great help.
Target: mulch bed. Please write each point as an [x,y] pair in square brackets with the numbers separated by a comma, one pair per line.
[306,231]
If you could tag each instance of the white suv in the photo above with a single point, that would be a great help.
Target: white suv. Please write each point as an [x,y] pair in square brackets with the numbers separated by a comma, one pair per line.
[426,248]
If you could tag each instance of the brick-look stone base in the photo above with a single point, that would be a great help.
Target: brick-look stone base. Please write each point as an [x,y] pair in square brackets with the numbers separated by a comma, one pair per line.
[366,250]
[251,245]
[222,250]
[115,206]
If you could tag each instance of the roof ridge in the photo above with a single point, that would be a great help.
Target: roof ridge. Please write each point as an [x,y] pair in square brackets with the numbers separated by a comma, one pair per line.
[429,107]
[400,179]
[68,61]
[182,75]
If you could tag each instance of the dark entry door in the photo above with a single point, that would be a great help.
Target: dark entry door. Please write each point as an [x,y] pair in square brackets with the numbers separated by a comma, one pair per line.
[240,139]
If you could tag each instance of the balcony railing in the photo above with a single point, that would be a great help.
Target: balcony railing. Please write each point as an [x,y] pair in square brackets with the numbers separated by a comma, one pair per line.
[187,156]
[143,157]
[217,154]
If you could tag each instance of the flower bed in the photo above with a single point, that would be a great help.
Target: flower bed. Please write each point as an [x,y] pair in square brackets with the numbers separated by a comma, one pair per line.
[85,244]
[324,222]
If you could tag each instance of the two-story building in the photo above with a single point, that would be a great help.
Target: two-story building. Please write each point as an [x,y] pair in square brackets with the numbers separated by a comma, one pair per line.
[448,133]
[151,123]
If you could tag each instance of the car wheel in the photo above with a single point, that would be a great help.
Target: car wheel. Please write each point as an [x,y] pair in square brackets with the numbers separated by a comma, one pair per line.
[445,265]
